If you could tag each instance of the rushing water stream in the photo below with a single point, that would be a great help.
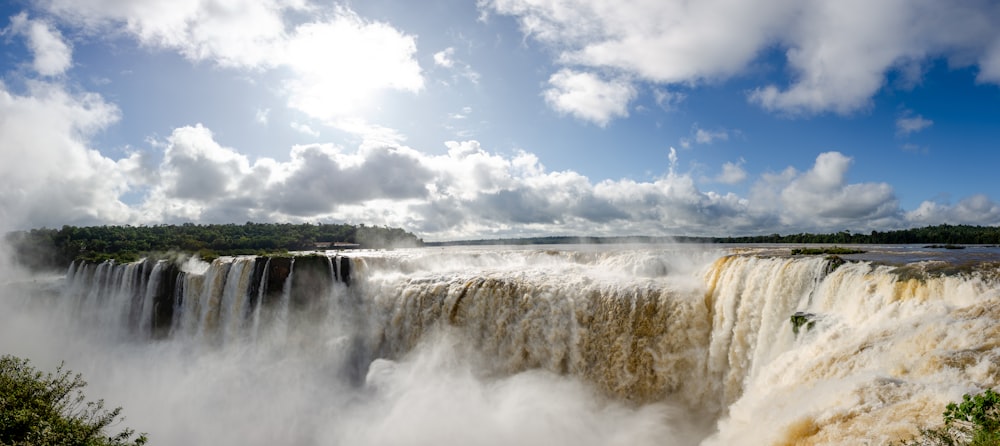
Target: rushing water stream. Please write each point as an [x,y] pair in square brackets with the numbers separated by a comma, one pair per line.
[630,345]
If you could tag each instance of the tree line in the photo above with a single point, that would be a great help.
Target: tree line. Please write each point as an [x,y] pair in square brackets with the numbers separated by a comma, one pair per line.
[56,248]
[940,234]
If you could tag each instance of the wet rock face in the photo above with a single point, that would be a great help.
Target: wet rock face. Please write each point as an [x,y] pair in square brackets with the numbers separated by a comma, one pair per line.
[345,270]
[279,269]
[311,279]
[164,300]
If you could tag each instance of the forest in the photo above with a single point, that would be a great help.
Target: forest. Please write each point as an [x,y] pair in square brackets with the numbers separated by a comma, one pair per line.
[941,234]
[56,248]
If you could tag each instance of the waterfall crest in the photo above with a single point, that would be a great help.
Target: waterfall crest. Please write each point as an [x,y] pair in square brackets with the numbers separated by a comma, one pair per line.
[877,343]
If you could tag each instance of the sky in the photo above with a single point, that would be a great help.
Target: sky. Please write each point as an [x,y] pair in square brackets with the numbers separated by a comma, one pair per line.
[461,119]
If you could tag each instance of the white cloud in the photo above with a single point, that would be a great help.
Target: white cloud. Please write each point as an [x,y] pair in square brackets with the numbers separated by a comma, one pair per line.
[334,67]
[467,192]
[668,100]
[823,195]
[838,53]
[908,123]
[52,55]
[444,57]
[49,175]
[201,180]
[975,210]
[702,136]
[233,33]
[586,96]
[340,65]
[732,173]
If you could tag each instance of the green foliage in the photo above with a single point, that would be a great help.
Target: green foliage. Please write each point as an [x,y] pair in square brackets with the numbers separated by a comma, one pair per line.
[56,248]
[982,410]
[827,250]
[940,234]
[973,422]
[50,409]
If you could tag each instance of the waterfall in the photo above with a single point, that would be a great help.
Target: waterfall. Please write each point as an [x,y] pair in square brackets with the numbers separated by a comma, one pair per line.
[235,299]
[258,303]
[714,333]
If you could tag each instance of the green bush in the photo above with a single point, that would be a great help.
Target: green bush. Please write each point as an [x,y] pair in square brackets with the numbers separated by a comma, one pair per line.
[826,250]
[50,409]
[973,422]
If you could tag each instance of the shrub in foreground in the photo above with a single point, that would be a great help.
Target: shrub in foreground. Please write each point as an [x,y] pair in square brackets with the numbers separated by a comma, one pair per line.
[50,409]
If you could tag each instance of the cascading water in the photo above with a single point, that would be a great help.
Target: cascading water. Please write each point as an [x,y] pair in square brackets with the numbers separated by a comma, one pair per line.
[656,333]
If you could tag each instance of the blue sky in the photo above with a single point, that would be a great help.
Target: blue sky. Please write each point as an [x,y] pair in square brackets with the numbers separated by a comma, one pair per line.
[501,118]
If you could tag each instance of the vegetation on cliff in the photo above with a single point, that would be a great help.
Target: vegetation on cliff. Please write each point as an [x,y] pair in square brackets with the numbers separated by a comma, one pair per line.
[56,248]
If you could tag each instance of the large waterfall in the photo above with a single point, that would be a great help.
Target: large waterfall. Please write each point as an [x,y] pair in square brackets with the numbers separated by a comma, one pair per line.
[666,345]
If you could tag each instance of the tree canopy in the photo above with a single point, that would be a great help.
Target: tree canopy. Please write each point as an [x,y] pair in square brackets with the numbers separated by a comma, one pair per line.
[940,234]
[56,248]
[43,409]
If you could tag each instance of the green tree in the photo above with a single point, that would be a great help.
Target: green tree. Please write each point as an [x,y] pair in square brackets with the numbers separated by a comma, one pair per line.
[973,422]
[42,409]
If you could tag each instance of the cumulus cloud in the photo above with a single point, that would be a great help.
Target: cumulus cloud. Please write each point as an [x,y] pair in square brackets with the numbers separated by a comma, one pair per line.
[837,53]
[52,55]
[975,210]
[822,194]
[50,175]
[732,173]
[237,33]
[201,180]
[332,66]
[466,192]
[586,96]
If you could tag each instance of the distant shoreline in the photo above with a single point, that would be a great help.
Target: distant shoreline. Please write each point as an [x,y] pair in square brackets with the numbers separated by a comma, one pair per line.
[934,236]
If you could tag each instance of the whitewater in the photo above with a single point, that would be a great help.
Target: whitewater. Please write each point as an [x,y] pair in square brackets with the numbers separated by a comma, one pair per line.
[556,345]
